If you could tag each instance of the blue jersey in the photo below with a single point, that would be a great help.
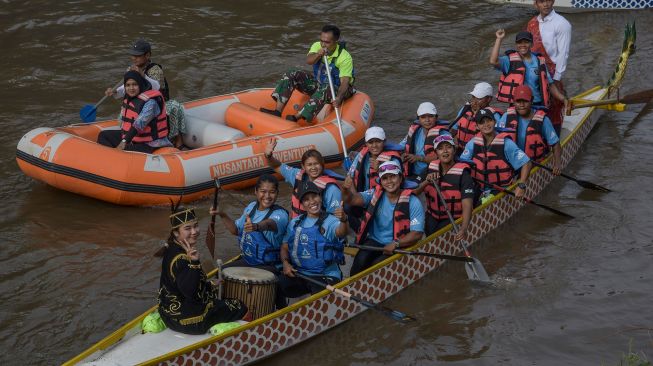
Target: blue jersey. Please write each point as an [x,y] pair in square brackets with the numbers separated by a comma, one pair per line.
[381,228]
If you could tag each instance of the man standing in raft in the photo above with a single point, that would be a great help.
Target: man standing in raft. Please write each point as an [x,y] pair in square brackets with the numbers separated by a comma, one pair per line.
[341,67]
[551,38]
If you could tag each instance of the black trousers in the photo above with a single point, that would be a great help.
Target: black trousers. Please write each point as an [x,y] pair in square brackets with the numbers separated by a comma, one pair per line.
[432,225]
[292,287]
[112,138]
[366,258]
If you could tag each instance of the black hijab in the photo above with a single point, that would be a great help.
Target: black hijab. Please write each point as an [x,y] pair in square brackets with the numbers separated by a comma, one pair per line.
[143,84]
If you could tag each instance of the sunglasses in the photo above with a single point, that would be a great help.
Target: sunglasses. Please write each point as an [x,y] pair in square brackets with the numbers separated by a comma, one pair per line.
[390,168]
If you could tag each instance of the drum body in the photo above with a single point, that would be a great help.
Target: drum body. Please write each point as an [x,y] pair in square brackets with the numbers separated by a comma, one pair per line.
[254,286]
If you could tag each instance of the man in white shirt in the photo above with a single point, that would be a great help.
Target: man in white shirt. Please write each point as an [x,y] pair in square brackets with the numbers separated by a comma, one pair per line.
[551,38]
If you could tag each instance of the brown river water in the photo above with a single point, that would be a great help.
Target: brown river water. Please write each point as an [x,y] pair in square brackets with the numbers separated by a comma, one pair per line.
[73,269]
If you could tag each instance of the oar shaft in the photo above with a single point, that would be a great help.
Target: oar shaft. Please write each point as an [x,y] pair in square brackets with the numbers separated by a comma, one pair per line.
[333,98]
[408,252]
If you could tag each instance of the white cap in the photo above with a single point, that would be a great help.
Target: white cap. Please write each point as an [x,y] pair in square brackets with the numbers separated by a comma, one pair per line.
[374,133]
[426,108]
[482,90]
[389,167]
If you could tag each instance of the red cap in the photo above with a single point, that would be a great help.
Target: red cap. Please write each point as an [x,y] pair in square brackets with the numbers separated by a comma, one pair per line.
[522,92]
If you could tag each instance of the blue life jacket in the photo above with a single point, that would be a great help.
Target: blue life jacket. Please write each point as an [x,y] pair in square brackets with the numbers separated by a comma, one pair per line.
[254,247]
[310,251]
[319,71]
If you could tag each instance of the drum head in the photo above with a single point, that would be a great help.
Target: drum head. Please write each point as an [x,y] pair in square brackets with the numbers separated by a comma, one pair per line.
[249,274]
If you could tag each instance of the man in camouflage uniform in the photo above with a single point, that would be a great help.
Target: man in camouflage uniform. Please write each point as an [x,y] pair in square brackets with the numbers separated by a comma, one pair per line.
[316,85]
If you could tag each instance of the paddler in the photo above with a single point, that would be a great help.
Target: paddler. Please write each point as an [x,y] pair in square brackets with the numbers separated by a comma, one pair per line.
[495,158]
[523,67]
[188,302]
[394,216]
[313,245]
[143,120]
[456,184]
[261,227]
[365,166]
[534,132]
[418,143]
[464,127]
[551,39]
[316,85]
[312,169]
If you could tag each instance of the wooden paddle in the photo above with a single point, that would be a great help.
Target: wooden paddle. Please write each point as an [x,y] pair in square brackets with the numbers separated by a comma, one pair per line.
[394,314]
[408,252]
[634,98]
[346,160]
[580,182]
[527,200]
[210,231]
[475,270]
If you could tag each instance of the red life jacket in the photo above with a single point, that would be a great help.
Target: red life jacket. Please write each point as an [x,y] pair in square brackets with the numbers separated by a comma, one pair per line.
[538,46]
[321,182]
[467,126]
[156,129]
[372,174]
[401,215]
[516,77]
[431,134]
[449,184]
[535,146]
[490,164]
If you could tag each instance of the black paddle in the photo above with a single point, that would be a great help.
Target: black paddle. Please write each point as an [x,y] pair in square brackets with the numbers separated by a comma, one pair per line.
[527,200]
[475,270]
[426,254]
[394,314]
[580,182]
[210,232]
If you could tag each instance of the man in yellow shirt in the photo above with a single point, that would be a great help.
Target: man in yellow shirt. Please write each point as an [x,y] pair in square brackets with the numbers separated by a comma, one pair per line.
[316,85]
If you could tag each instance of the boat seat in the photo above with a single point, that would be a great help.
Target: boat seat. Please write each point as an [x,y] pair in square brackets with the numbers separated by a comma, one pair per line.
[200,133]
[253,122]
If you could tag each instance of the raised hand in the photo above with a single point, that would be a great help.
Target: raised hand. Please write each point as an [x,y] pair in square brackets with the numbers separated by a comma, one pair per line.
[269,148]
[339,212]
[248,227]
[191,251]
[501,33]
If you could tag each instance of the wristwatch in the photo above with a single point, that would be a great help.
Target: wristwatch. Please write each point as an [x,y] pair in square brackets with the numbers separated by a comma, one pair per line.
[521,185]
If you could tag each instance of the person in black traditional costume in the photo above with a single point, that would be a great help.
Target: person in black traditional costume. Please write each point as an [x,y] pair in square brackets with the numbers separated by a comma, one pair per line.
[188,302]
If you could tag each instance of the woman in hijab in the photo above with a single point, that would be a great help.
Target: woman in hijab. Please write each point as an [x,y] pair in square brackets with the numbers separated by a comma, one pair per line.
[144,122]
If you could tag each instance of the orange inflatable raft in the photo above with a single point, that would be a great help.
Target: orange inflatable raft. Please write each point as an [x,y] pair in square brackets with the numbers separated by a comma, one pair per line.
[227,135]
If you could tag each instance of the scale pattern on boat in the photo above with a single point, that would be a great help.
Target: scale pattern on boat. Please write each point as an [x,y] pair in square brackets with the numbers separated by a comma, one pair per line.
[619,4]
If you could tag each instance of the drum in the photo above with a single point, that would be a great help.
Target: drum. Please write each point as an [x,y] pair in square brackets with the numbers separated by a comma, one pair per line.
[254,286]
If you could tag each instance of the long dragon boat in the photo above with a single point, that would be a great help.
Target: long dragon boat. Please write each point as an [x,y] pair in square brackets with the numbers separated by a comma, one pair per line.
[313,315]
[573,6]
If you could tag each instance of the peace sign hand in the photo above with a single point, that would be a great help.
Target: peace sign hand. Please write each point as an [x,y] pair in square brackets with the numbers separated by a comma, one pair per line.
[191,251]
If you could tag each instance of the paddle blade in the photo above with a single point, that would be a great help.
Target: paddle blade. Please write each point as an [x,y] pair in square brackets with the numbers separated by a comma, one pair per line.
[394,314]
[593,186]
[476,271]
[88,113]
[553,210]
[636,98]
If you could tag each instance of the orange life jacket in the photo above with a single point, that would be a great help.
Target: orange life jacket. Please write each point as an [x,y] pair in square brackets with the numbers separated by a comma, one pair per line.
[467,126]
[156,129]
[490,163]
[516,77]
[431,134]
[372,174]
[321,182]
[401,215]
[450,186]
[535,146]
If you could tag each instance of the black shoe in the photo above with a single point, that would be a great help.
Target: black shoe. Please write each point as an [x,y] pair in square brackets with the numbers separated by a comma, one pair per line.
[290,117]
[273,112]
